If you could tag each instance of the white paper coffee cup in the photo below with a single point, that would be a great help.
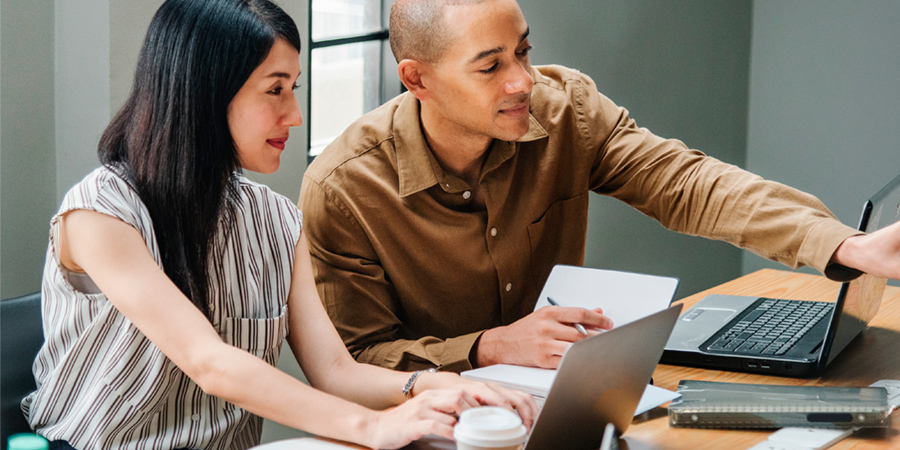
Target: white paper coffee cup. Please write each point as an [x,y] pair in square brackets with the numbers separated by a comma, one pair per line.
[489,428]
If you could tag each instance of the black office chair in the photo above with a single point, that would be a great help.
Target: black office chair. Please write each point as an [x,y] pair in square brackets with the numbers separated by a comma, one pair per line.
[21,336]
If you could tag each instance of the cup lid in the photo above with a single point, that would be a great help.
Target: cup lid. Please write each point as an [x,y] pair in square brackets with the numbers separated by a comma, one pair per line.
[27,441]
[489,426]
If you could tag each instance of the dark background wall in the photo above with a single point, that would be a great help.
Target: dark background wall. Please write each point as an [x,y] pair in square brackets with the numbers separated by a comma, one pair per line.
[681,69]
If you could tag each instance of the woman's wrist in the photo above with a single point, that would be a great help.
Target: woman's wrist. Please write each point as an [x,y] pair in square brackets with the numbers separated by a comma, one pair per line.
[364,428]
[407,390]
[435,380]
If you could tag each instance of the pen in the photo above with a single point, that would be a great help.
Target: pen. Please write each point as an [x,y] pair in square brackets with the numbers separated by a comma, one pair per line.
[577,325]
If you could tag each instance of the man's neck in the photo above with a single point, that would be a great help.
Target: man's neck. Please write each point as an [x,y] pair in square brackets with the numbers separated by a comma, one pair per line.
[459,153]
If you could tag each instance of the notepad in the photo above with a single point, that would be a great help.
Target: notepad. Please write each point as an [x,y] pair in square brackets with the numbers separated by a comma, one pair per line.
[624,296]
[537,382]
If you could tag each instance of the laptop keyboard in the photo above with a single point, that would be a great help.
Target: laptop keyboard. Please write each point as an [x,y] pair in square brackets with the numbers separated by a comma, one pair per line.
[771,328]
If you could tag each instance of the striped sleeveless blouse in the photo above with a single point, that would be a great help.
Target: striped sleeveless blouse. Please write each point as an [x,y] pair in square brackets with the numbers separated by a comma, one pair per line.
[103,385]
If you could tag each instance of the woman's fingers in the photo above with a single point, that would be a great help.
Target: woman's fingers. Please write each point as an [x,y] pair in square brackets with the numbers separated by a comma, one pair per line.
[435,411]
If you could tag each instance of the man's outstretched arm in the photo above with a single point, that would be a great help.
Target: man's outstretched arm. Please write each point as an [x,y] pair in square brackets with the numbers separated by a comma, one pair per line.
[877,254]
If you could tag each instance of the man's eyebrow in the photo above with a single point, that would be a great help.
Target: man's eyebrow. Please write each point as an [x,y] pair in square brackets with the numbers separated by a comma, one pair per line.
[493,51]
[486,53]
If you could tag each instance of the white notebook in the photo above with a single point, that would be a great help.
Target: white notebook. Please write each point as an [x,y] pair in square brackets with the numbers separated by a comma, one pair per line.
[624,296]
[537,382]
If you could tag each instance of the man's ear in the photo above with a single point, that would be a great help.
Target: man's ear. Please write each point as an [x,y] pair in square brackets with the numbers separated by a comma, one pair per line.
[410,72]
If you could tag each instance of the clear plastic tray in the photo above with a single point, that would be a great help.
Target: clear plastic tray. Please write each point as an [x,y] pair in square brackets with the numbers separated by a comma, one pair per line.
[709,404]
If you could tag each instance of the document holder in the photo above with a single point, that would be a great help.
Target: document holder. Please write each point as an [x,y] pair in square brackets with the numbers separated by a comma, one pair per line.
[709,404]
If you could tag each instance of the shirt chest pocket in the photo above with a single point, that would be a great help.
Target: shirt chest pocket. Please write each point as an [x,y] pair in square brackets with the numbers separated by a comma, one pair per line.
[558,237]
[260,337]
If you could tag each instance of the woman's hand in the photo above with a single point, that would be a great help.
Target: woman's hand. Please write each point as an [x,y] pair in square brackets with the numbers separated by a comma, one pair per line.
[433,412]
[438,400]
[484,393]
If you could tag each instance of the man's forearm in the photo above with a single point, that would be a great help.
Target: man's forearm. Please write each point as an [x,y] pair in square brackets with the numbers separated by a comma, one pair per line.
[450,355]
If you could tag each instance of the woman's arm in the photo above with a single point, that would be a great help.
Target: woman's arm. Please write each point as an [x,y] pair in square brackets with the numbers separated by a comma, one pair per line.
[116,258]
[328,365]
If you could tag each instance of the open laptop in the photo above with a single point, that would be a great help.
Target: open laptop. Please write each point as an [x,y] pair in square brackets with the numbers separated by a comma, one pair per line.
[600,380]
[724,331]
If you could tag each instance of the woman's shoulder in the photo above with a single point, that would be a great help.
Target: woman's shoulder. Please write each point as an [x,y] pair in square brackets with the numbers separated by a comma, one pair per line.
[102,182]
[107,191]
[101,177]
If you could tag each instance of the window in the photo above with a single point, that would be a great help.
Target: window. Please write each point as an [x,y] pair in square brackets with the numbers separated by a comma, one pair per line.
[352,70]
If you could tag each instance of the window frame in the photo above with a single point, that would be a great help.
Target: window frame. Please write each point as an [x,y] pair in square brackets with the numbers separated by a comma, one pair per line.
[388,65]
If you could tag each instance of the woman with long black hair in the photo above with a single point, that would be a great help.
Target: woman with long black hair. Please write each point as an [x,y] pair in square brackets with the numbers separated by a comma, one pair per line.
[171,280]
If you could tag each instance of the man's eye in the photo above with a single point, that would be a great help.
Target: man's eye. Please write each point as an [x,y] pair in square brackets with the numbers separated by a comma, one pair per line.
[525,51]
[491,69]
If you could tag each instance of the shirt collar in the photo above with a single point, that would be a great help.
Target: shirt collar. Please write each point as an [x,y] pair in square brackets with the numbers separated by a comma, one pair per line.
[417,167]
[414,166]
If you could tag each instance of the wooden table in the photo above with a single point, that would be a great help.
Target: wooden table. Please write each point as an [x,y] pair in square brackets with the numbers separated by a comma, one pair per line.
[873,356]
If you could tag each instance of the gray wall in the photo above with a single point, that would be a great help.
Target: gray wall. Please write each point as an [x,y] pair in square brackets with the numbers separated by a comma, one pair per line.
[681,70]
[825,100]
[27,142]
[82,87]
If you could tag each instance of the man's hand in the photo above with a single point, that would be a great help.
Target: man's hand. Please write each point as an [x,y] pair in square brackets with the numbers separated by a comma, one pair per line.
[877,254]
[540,338]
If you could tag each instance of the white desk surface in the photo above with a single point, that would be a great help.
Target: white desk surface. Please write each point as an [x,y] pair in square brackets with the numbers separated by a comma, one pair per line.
[312,443]
[305,443]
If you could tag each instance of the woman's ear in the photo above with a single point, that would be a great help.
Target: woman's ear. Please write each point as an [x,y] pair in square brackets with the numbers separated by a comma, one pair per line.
[410,72]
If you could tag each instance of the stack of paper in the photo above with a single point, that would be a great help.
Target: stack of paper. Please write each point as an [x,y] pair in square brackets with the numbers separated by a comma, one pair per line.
[537,382]
[532,380]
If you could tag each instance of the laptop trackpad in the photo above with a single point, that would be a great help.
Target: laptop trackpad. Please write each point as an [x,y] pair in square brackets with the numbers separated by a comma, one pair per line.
[697,325]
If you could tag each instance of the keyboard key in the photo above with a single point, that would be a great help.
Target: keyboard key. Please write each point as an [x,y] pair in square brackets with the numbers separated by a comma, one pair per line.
[745,347]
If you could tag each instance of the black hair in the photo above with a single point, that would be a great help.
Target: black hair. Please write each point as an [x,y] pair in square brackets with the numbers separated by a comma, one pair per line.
[171,139]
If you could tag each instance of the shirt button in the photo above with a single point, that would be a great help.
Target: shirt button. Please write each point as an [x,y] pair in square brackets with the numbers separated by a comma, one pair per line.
[508,287]
[195,417]
[493,231]
[467,194]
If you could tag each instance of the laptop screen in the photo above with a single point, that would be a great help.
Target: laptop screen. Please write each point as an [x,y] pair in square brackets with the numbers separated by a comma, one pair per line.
[862,296]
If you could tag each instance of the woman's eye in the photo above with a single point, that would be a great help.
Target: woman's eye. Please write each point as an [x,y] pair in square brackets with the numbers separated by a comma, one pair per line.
[276,91]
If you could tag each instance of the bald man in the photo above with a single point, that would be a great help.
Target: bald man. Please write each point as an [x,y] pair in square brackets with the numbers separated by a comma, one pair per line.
[434,220]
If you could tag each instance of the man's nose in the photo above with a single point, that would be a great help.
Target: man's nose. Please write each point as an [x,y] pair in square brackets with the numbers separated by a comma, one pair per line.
[520,82]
